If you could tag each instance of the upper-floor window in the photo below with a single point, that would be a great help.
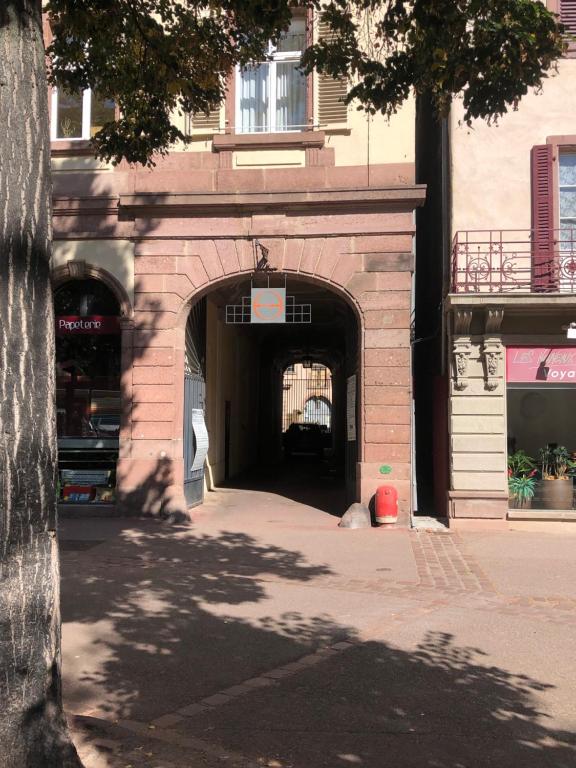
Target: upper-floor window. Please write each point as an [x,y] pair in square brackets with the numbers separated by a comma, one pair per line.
[79,115]
[567,193]
[271,95]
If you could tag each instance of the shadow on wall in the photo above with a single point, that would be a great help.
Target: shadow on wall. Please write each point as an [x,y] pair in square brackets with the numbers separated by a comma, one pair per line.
[160,618]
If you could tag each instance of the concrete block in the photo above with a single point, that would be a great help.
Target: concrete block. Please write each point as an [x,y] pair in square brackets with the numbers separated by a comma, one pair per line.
[376,433]
[382,377]
[389,395]
[384,318]
[356,516]
[386,453]
[387,338]
[477,425]
[391,262]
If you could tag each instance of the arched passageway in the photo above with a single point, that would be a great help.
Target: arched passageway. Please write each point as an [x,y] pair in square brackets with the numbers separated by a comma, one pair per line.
[237,373]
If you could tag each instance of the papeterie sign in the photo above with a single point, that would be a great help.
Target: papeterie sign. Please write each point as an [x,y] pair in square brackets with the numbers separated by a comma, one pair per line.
[67,325]
[553,365]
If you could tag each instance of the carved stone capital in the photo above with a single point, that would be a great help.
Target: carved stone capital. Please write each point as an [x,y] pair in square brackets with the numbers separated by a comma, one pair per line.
[460,353]
[462,320]
[493,319]
[492,355]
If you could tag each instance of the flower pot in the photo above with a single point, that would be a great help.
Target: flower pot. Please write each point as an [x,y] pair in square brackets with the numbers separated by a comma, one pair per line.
[557,493]
[515,503]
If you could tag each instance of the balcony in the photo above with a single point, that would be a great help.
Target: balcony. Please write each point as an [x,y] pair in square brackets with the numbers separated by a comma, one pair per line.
[514,261]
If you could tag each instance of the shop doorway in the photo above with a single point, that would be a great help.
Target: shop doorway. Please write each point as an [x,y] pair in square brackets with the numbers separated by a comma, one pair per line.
[88,397]
[255,371]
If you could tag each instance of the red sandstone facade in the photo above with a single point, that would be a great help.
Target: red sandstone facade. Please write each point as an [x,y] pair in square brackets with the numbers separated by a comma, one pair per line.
[192,225]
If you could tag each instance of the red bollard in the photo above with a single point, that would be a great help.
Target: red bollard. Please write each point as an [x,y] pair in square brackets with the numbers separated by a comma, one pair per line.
[386,505]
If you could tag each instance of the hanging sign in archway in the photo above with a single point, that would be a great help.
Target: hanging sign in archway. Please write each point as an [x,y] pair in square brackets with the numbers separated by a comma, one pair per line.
[268,305]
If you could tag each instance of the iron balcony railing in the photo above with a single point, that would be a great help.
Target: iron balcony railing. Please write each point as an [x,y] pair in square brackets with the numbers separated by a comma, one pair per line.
[508,261]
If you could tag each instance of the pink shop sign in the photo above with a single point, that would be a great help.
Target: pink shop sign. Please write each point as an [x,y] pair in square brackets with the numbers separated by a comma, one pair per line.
[553,365]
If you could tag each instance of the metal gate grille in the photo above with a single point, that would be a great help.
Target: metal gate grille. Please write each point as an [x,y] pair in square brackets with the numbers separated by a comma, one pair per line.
[307,395]
[194,396]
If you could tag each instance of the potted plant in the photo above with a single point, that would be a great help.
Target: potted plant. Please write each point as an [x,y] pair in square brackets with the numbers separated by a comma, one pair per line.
[521,491]
[557,470]
[521,479]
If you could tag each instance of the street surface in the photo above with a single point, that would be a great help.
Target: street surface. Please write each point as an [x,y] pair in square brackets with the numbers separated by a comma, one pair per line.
[263,635]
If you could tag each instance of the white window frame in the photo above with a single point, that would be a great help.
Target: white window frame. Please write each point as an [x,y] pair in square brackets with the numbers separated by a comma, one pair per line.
[86,117]
[275,57]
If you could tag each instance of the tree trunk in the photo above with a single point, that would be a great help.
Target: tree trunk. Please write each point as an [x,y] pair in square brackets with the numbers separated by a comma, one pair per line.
[33,730]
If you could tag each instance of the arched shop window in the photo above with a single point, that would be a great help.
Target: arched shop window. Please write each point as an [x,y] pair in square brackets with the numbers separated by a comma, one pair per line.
[87,390]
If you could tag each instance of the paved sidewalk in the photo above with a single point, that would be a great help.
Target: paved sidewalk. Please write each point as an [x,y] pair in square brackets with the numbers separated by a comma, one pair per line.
[263,635]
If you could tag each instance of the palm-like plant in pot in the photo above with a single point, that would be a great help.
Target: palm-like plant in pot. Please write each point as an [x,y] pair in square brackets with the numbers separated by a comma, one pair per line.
[557,470]
[521,479]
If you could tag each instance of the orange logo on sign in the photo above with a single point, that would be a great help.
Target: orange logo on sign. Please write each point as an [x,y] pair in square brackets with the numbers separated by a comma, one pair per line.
[268,305]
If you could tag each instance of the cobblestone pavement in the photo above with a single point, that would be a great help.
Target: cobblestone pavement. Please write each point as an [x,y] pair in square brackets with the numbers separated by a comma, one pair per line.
[206,646]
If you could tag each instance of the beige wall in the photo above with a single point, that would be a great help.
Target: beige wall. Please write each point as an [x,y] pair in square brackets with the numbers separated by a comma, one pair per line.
[376,140]
[477,424]
[491,164]
[231,374]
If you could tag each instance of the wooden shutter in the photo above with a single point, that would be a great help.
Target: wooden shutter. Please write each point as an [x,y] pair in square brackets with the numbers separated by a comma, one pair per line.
[205,125]
[568,15]
[544,272]
[568,19]
[331,110]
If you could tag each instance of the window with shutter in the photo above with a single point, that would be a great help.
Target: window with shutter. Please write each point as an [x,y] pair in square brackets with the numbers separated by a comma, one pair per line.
[205,125]
[566,11]
[568,16]
[331,111]
[271,94]
[544,268]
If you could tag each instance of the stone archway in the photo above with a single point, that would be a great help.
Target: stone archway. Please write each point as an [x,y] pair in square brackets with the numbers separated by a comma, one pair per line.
[172,275]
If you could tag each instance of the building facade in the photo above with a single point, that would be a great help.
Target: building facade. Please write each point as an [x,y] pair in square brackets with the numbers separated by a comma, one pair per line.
[165,387]
[497,240]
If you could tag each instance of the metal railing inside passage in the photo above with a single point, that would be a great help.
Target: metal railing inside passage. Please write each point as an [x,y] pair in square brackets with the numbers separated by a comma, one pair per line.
[508,261]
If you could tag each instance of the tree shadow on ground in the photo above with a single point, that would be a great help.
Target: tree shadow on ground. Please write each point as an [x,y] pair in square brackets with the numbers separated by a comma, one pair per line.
[156,609]
[158,618]
[440,706]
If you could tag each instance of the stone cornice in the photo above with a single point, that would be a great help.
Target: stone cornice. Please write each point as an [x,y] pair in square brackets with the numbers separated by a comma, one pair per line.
[98,205]
[383,199]
[229,142]
[516,302]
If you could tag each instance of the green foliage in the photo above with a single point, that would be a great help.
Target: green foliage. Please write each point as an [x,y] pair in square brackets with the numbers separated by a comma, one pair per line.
[158,58]
[521,489]
[556,463]
[155,58]
[489,52]
[521,465]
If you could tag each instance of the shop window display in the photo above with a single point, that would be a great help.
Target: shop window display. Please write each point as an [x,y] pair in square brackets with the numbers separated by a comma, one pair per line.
[87,391]
[541,446]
